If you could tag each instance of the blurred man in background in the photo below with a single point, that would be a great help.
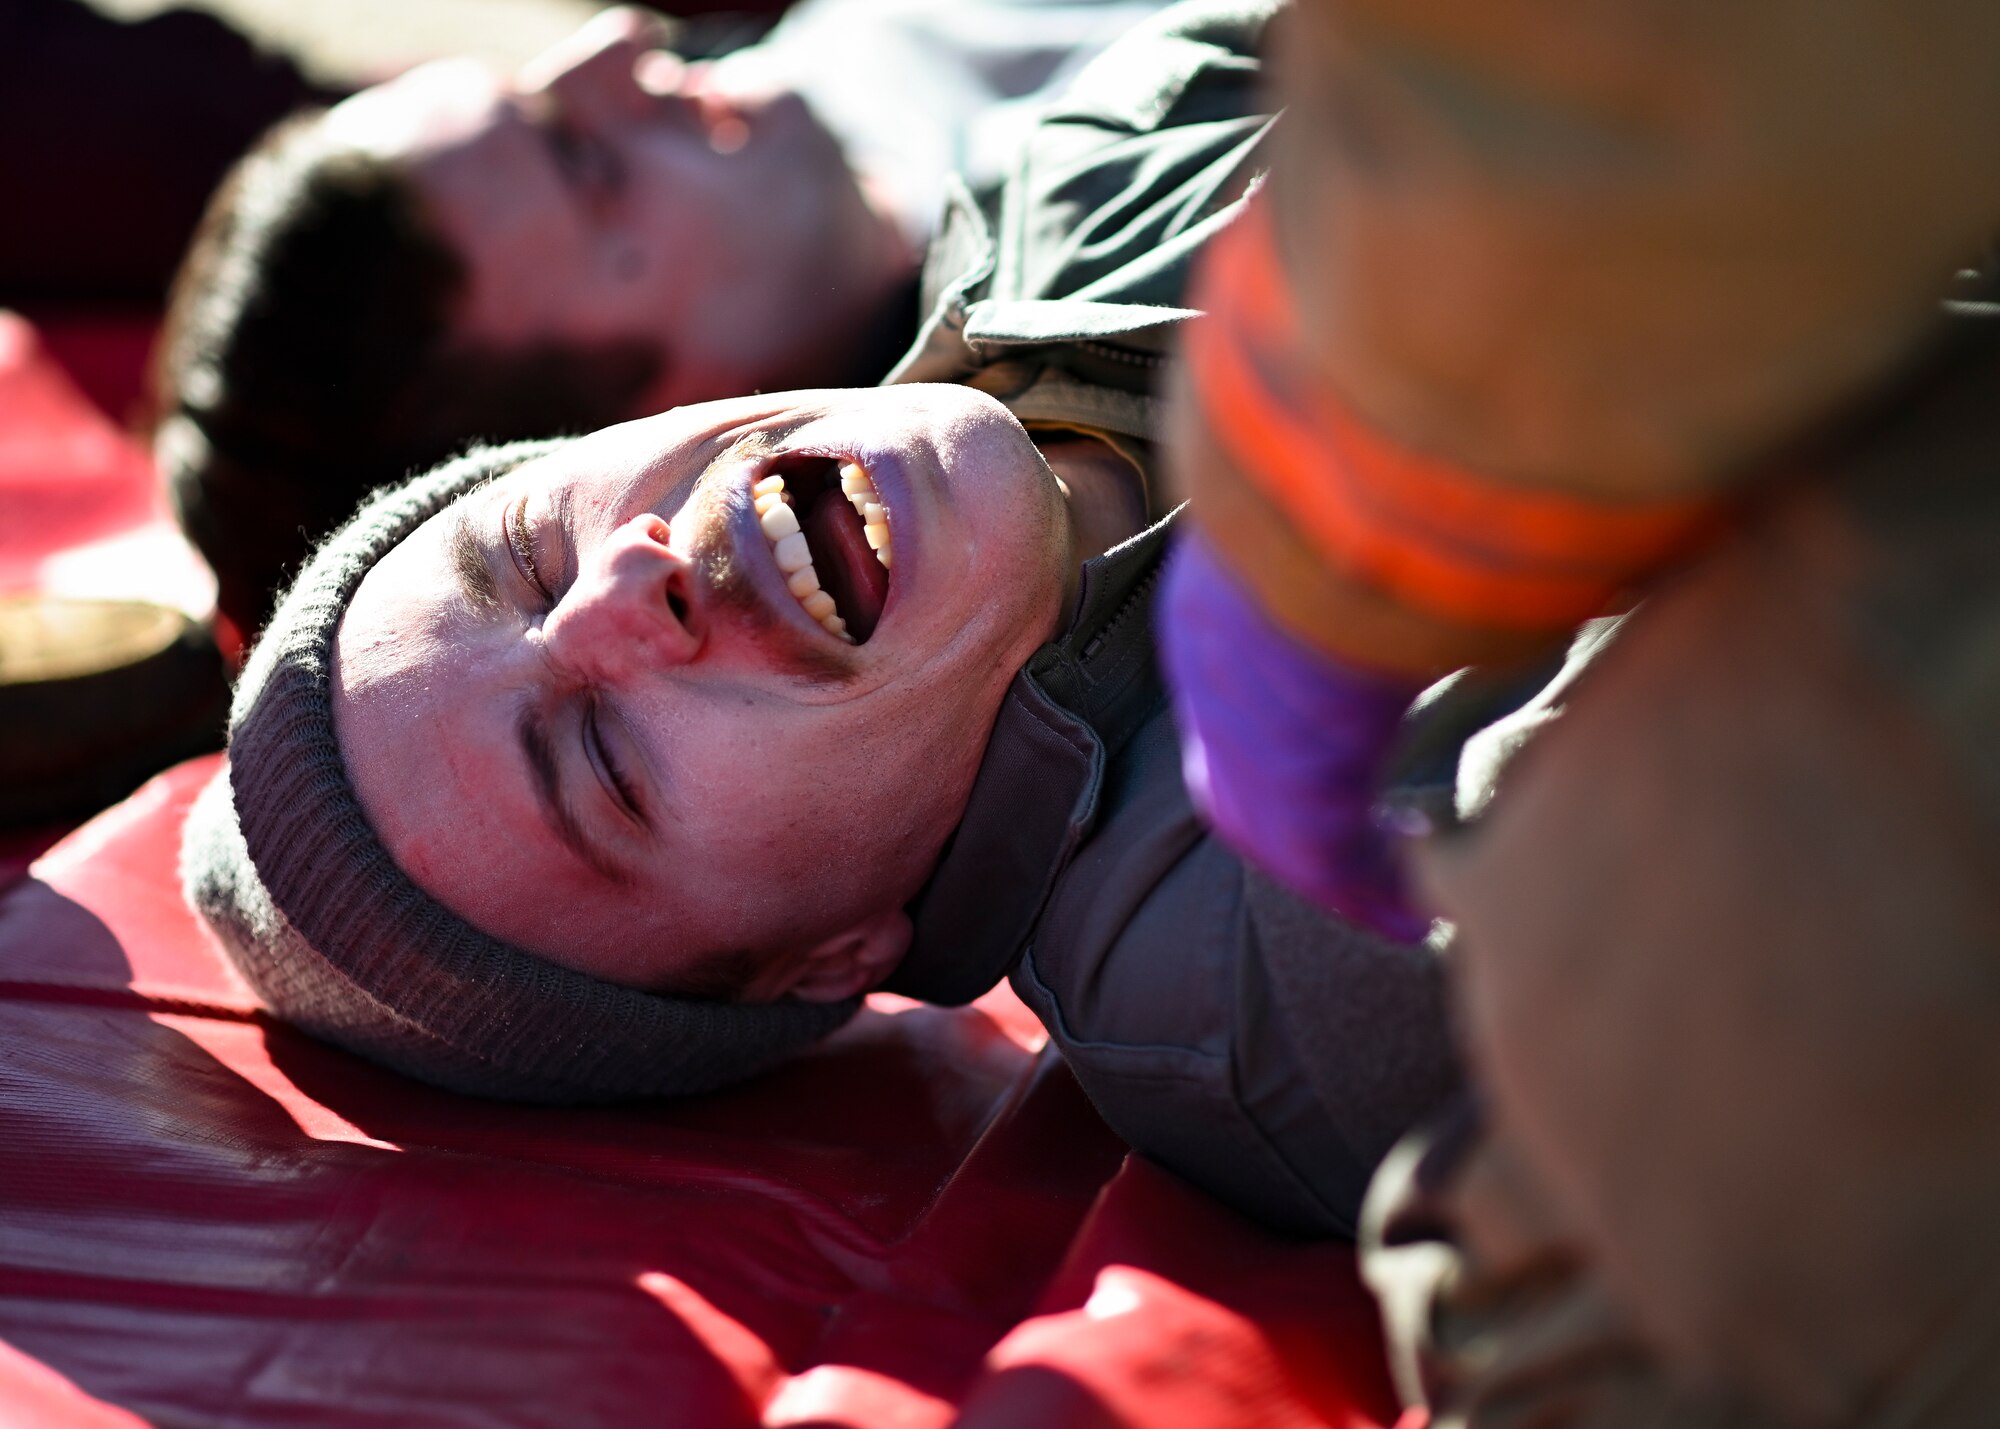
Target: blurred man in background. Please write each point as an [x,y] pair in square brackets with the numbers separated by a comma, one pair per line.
[462,254]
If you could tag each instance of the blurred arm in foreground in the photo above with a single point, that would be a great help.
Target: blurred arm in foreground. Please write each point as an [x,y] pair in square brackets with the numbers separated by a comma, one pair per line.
[1549,301]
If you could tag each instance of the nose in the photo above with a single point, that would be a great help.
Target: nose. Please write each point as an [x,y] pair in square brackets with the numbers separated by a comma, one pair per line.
[632,609]
[592,73]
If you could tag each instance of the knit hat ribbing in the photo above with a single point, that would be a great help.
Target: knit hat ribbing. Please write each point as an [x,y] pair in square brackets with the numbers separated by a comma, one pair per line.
[282,862]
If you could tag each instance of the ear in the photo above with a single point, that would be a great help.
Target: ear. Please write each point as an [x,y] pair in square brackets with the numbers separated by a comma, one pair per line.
[853,961]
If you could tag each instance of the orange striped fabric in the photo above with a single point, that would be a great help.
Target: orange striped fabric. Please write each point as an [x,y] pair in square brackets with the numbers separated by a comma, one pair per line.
[1437,537]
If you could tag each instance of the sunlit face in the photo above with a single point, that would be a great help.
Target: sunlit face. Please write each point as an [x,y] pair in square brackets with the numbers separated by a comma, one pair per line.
[607,192]
[585,709]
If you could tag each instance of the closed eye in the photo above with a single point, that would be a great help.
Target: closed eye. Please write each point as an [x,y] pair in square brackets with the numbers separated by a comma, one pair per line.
[588,163]
[521,546]
[606,766]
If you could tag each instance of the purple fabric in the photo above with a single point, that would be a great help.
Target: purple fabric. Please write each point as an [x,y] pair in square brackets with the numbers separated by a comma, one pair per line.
[1283,747]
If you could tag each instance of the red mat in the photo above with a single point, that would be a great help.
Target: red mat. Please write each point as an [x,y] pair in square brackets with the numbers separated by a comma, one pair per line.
[80,511]
[206,1218]
[105,352]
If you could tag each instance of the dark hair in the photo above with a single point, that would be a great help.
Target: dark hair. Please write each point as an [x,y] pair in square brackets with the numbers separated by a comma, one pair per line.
[308,359]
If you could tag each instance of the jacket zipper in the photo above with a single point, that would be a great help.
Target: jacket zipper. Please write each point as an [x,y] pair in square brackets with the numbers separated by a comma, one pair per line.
[1133,597]
[1126,356]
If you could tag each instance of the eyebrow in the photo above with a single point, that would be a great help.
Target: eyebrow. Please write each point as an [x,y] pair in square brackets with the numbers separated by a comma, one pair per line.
[467,557]
[533,732]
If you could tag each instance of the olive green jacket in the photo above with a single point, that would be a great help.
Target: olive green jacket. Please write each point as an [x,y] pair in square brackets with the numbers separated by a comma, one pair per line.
[1259,1047]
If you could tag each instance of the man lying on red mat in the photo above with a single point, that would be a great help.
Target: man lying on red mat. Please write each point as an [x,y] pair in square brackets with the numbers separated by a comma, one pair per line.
[622,765]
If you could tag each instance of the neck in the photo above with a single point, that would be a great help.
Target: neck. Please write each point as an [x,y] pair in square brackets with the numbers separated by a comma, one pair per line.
[1107,495]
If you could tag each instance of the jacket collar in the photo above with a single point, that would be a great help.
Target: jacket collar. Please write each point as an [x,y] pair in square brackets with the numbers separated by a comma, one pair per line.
[1068,712]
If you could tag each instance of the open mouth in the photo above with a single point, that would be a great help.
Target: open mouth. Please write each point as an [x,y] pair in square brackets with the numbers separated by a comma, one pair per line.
[829,533]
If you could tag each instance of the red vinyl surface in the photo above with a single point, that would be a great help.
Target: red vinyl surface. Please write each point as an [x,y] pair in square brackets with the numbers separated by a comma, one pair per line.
[105,352]
[80,511]
[68,476]
[207,1218]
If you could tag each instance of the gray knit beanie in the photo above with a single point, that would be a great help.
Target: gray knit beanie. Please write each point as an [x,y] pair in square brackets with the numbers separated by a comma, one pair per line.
[279,858]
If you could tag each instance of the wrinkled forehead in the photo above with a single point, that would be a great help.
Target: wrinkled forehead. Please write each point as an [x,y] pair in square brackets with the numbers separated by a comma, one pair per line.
[409,591]
[418,711]
[403,618]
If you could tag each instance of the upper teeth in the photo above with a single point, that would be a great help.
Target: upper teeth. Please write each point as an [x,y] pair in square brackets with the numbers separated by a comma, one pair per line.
[788,542]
